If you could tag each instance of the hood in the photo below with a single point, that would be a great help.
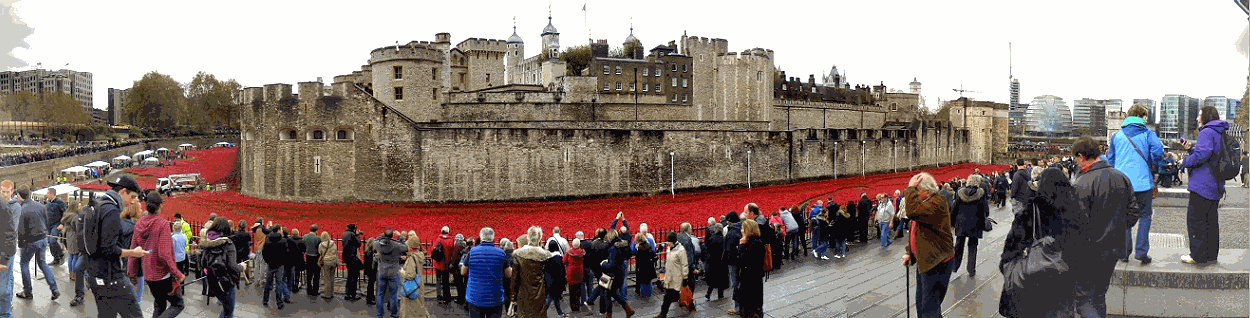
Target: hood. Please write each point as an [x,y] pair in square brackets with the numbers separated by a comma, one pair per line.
[1219,125]
[386,245]
[971,193]
[215,242]
[1056,184]
[275,237]
[532,253]
[150,221]
[1133,120]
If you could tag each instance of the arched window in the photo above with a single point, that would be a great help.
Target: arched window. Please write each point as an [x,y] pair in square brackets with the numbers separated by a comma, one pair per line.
[288,134]
[317,134]
[344,134]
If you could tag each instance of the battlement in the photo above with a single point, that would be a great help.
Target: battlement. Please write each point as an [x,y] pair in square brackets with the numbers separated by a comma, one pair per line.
[442,37]
[691,44]
[252,95]
[310,90]
[488,45]
[411,51]
[276,92]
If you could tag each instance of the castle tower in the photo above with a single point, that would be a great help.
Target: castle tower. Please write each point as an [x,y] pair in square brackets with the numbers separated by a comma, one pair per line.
[915,89]
[633,45]
[551,40]
[516,54]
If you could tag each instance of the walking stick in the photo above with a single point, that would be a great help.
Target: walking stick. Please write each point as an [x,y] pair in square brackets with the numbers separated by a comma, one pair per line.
[907,273]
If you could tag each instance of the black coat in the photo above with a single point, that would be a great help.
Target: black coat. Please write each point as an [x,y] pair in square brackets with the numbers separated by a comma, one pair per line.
[1057,211]
[750,291]
[1020,186]
[717,275]
[644,262]
[733,233]
[553,276]
[864,210]
[969,211]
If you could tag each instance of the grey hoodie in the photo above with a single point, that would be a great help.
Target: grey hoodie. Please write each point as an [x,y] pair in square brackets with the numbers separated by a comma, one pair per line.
[388,257]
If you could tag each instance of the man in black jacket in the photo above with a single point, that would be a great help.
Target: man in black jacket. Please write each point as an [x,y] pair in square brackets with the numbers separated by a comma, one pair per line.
[113,291]
[863,209]
[32,237]
[1106,201]
[56,209]
[351,258]
[295,259]
[275,254]
[1020,191]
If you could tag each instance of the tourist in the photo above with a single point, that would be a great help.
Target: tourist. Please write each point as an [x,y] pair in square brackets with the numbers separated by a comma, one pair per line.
[644,264]
[260,234]
[114,293]
[1106,195]
[616,266]
[8,232]
[529,292]
[443,267]
[1136,151]
[508,247]
[555,278]
[675,271]
[885,214]
[55,209]
[77,262]
[242,240]
[767,234]
[791,234]
[130,215]
[371,272]
[159,268]
[311,254]
[390,256]
[575,273]
[180,247]
[842,228]
[32,237]
[970,212]
[596,253]
[217,239]
[899,222]
[555,236]
[820,204]
[1205,191]
[328,262]
[750,293]
[413,266]
[295,261]
[1000,188]
[861,216]
[1056,211]
[1020,192]
[823,232]
[930,247]
[717,276]
[351,258]
[733,234]
[458,253]
[274,253]
[485,269]
[693,252]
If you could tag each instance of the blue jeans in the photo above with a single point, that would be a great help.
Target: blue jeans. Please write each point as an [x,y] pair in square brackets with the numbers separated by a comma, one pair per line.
[273,281]
[485,312]
[6,290]
[733,284]
[555,302]
[388,289]
[1145,200]
[1090,292]
[884,228]
[78,268]
[139,288]
[840,248]
[644,289]
[815,237]
[931,289]
[822,246]
[227,303]
[622,291]
[36,250]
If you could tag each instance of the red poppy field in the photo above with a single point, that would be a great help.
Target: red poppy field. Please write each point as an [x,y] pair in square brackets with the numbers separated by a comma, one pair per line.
[213,165]
[511,219]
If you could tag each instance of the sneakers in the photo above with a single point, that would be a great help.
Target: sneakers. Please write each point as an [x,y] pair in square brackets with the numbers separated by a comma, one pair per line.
[814,254]
[1188,259]
[24,295]
[824,257]
[55,295]
[76,302]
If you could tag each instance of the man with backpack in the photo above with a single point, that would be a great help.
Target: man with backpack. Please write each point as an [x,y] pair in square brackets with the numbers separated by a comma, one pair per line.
[113,291]
[440,254]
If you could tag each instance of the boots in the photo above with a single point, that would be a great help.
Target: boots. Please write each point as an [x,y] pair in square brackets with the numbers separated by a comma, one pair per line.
[629,311]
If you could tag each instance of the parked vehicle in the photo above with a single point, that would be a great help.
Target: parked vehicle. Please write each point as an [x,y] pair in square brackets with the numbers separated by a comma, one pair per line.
[178,182]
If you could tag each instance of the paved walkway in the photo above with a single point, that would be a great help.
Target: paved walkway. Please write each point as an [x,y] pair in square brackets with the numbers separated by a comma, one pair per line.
[869,283]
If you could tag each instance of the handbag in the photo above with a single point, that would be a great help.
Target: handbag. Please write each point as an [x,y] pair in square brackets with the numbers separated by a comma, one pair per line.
[687,297]
[989,224]
[1040,263]
[605,281]
[411,288]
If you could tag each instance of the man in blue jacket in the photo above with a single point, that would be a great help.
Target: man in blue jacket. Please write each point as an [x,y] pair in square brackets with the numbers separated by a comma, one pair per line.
[1136,151]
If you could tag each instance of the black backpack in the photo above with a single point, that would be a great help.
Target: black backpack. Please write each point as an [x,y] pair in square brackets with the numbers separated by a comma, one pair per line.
[1226,163]
[220,278]
[89,224]
[438,255]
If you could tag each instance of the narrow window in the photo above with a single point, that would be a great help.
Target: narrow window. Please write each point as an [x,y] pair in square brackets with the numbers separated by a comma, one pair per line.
[606,86]
[645,87]
[618,70]
[434,93]
[683,82]
[341,135]
[317,164]
[488,78]
[657,71]
[683,68]
[607,70]
[674,97]
[674,82]
[618,86]
[759,76]
[631,86]
[684,96]
[644,71]
[434,72]
[657,87]
[399,72]
[399,93]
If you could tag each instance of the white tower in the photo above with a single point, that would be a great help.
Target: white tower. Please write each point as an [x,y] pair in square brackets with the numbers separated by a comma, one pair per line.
[551,40]
[515,54]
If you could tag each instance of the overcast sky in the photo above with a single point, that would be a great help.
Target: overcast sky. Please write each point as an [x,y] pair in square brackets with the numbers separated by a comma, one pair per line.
[1072,49]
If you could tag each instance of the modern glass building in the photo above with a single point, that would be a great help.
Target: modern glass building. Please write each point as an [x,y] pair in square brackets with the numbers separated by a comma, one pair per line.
[1048,115]
[1092,113]
[1178,117]
[1150,105]
[1226,106]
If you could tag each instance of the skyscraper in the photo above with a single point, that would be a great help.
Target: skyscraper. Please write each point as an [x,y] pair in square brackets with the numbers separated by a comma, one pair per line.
[1177,116]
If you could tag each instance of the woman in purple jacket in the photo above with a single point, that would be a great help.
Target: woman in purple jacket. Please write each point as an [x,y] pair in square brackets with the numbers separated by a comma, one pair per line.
[1204,191]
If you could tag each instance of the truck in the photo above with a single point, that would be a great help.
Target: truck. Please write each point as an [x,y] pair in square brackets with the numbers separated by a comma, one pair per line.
[178,182]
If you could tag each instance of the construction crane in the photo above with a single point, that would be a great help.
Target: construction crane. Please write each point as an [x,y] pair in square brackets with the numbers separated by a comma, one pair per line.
[961,91]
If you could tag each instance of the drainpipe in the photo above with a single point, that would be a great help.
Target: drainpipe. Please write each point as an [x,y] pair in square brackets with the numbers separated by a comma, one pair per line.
[863,158]
[672,173]
[835,159]
[748,169]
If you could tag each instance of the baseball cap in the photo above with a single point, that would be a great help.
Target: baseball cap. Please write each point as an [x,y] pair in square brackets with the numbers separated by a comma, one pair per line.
[126,182]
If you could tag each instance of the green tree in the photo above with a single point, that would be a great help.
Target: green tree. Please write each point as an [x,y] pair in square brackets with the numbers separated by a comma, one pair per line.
[578,58]
[50,107]
[211,102]
[154,102]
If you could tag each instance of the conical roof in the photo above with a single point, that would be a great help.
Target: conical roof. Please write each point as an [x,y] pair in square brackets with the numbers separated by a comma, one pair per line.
[514,38]
[550,29]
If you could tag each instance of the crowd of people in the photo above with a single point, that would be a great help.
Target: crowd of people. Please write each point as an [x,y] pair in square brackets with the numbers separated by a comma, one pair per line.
[119,244]
[28,156]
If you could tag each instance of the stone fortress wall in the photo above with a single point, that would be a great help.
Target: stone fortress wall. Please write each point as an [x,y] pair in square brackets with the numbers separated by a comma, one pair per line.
[486,140]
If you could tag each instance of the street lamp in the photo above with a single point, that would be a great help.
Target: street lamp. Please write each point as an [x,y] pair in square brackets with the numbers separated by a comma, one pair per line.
[672,173]
[748,169]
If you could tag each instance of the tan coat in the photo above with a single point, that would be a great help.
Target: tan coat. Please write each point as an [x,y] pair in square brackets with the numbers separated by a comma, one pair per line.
[529,291]
[413,308]
[675,267]
[329,262]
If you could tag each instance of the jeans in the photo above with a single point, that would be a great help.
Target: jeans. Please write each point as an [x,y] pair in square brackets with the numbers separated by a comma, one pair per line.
[605,306]
[54,245]
[227,303]
[622,291]
[1090,292]
[815,237]
[840,248]
[78,268]
[959,254]
[485,312]
[165,305]
[1203,223]
[792,248]
[353,276]
[6,290]
[822,246]
[733,285]
[139,286]
[670,296]
[388,292]
[37,251]
[884,229]
[117,298]
[1145,201]
[555,302]
[931,289]
[644,289]
[273,281]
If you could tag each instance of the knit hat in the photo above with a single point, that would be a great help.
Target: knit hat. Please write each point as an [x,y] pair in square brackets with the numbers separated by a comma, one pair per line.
[732,217]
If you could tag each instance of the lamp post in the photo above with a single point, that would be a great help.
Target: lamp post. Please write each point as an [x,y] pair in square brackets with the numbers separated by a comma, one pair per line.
[748,169]
[672,173]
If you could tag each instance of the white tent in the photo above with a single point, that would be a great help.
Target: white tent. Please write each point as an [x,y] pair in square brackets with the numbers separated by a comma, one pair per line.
[151,159]
[186,145]
[224,144]
[162,149]
[122,157]
[75,169]
[60,189]
[97,164]
[144,153]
